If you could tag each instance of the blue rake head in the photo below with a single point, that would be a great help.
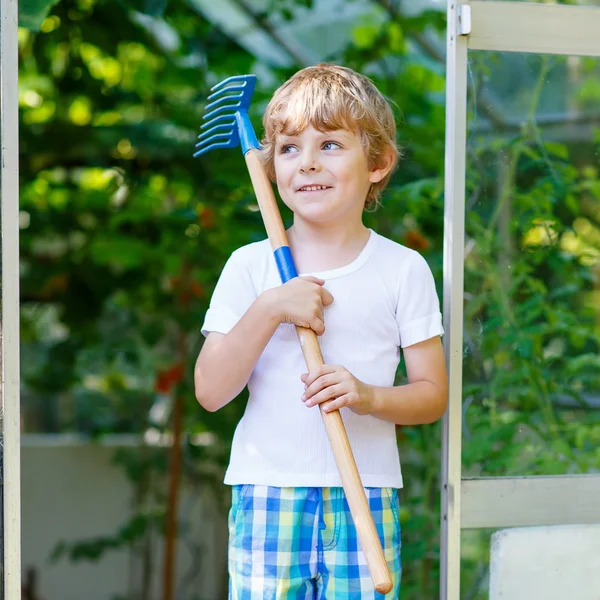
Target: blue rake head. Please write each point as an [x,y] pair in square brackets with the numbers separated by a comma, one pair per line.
[227,124]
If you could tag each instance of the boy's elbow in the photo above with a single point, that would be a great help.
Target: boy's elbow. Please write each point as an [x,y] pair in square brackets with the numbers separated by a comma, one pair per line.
[204,398]
[441,405]
[207,403]
[204,402]
[214,391]
[436,404]
[210,407]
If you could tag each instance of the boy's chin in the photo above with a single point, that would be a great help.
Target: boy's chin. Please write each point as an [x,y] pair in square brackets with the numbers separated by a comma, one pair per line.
[310,210]
[316,217]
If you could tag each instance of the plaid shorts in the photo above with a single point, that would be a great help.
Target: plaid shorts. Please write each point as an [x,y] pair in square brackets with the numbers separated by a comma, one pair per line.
[301,543]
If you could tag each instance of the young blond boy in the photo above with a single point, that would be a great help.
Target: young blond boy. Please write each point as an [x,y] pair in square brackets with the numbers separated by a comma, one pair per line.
[329,144]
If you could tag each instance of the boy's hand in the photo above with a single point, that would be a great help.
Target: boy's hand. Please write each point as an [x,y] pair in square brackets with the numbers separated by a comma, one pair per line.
[334,386]
[300,301]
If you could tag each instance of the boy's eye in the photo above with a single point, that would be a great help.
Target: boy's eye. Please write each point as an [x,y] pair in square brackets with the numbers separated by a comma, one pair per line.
[287,149]
[331,146]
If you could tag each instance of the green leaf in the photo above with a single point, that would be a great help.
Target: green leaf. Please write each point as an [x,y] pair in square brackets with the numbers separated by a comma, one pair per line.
[365,35]
[559,150]
[155,8]
[33,12]
[395,36]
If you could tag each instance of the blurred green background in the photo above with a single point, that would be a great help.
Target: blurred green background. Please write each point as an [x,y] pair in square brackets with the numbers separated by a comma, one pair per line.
[123,236]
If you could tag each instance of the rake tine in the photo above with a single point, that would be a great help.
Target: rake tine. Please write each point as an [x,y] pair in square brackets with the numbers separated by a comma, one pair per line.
[221,119]
[227,127]
[218,136]
[226,90]
[205,150]
[220,110]
[222,100]
[244,78]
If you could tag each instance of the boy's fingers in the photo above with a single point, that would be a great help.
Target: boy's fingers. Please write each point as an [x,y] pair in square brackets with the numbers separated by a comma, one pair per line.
[337,403]
[321,383]
[329,393]
[317,326]
[319,372]
[326,297]
[319,314]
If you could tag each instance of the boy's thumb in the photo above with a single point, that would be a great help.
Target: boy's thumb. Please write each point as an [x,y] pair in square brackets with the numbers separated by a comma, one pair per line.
[313,279]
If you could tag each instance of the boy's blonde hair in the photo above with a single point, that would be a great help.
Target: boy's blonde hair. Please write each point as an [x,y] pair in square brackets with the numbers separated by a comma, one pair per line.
[330,97]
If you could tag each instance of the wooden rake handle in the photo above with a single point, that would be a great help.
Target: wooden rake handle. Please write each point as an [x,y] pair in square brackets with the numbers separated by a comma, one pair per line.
[334,426]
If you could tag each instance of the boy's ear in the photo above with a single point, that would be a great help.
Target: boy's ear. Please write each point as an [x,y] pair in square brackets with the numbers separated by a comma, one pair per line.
[386,162]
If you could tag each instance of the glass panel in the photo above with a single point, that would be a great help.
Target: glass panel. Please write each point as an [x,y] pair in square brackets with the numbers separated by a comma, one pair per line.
[532,266]
[475,564]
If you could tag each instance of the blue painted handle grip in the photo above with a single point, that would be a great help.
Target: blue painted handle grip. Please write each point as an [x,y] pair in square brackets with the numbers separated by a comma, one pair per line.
[285,263]
[248,138]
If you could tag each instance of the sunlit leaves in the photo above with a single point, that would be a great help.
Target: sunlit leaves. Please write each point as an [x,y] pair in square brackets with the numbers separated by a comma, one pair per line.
[80,111]
[33,12]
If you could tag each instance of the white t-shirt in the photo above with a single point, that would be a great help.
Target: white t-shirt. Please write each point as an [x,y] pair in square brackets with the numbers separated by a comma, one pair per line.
[383,300]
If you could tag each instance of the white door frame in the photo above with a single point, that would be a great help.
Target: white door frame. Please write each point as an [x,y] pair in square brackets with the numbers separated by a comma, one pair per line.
[9,316]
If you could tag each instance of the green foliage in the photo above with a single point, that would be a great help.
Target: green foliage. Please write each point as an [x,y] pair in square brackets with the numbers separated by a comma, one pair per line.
[124,236]
[94,549]
[33,12]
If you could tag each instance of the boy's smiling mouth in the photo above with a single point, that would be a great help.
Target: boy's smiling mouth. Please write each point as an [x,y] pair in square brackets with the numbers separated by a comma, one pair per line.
[314,188]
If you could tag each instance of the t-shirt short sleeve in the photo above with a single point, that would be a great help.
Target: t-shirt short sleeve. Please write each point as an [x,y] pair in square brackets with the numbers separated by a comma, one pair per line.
[233,296]
[418,313]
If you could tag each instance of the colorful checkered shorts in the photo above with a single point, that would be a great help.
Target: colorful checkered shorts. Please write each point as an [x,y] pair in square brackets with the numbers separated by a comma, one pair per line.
[301,543]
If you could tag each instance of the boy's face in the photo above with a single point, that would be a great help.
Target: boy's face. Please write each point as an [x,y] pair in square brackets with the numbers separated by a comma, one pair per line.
[323,177]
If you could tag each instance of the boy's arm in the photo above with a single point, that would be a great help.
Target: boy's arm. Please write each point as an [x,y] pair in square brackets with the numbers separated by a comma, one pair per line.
[226,361]
[422,400]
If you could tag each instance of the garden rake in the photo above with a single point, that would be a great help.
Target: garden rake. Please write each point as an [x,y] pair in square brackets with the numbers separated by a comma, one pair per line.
[228,125]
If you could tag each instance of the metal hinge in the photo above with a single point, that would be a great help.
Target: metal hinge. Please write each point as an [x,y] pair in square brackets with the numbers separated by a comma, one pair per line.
[463,19]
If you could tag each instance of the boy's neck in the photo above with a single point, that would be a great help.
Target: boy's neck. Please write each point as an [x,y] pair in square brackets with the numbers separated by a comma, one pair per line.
[317,249]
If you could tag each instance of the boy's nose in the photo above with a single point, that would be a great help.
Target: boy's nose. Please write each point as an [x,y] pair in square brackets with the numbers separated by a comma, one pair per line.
[309,165]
